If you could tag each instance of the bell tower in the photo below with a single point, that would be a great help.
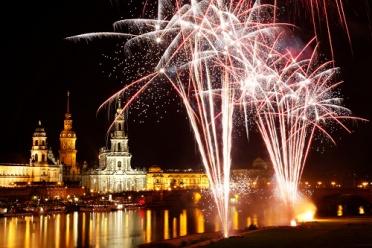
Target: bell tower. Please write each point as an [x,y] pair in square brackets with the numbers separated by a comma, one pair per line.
[67,151]
[39,149]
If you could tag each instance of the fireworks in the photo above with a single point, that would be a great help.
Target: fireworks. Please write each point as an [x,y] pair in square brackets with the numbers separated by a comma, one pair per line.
[224,59]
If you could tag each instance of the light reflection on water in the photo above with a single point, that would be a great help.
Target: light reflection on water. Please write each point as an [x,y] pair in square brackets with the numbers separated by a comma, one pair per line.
[127,228]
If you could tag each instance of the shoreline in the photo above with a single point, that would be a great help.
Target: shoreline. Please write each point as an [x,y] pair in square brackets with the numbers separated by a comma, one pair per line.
[204,239]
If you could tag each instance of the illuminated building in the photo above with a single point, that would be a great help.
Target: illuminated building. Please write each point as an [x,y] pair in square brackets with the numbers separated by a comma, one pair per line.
[67,151]
[260,175]
[42,168]
[157,179]
[115,173]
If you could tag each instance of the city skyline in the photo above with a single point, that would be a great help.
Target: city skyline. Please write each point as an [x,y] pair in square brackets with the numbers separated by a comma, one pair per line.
[37,57]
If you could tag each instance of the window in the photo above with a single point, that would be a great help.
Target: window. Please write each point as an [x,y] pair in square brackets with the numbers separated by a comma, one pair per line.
[119,164]
[119,147]
[36,142]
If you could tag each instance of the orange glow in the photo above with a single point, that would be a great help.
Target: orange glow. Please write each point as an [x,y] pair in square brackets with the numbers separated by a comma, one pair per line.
[339,210]
[166,224]
[197,197]
[199,221]
[174,227]
[305,210]
[183,223]
[148,226]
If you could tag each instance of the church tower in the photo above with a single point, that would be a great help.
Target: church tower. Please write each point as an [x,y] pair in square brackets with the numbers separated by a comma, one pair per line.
[39,149]
[115,173]
[67,152]
[119,139]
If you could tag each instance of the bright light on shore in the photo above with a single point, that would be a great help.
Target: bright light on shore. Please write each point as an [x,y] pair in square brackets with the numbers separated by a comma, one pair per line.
[305,211]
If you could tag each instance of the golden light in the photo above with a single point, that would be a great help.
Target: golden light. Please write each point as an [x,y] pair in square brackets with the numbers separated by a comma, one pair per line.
[333,184]
[197,197]
[361,210]
[305,210]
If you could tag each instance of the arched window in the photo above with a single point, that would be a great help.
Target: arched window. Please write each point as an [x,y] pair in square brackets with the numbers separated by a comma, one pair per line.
[119,147]
[119,165]
[36,142]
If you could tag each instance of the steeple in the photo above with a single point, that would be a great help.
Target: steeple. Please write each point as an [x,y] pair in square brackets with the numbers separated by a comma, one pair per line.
[67,150]
[119,140]
[68,115]
[39,149]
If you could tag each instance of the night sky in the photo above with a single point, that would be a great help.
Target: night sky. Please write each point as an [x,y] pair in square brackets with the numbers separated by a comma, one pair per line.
[38,67]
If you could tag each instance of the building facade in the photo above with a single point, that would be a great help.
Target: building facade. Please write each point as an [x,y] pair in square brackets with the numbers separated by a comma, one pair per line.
[260,175]
[42,168]
[67,151]
[114,173]
[157,179]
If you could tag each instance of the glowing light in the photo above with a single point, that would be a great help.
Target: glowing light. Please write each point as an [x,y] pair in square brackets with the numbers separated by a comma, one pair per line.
[230,59]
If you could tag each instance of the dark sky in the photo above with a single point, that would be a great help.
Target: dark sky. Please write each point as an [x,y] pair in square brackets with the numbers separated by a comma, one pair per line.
[38,67]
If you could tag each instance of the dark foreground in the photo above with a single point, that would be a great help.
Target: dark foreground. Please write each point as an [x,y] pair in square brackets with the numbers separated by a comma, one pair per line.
[332,232]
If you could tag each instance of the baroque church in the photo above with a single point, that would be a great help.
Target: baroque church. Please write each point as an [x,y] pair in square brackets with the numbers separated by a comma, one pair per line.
[43,168]
[114,173]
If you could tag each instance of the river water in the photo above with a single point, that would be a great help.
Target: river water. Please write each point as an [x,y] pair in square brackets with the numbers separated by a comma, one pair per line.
[124,228]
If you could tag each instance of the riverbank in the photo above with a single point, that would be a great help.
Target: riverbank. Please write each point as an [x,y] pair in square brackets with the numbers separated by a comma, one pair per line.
[327,232]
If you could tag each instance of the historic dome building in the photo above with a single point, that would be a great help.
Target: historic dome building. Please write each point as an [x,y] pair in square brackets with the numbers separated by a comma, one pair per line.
[42,168]
[115,173]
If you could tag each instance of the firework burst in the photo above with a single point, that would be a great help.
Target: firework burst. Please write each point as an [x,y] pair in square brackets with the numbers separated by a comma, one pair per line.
[226,57]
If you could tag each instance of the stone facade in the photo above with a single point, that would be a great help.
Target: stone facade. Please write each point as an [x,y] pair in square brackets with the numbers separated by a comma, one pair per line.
[115,173]
[158,179]
[42,168]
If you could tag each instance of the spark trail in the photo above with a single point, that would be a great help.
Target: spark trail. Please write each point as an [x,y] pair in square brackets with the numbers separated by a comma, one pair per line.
[291,104]
[224,58]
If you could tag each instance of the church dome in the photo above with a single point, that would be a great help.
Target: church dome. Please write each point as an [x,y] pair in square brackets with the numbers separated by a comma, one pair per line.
[39,131]
[259,163]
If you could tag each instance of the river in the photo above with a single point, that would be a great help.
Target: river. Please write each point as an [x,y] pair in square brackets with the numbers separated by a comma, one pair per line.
[124,228]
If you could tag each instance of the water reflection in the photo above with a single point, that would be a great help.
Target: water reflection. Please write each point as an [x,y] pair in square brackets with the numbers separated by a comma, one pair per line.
[127,228]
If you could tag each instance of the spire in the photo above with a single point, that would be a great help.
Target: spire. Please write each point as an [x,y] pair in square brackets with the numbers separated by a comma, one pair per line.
[119,109]
[68,115]
[119,100]
[68,101]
